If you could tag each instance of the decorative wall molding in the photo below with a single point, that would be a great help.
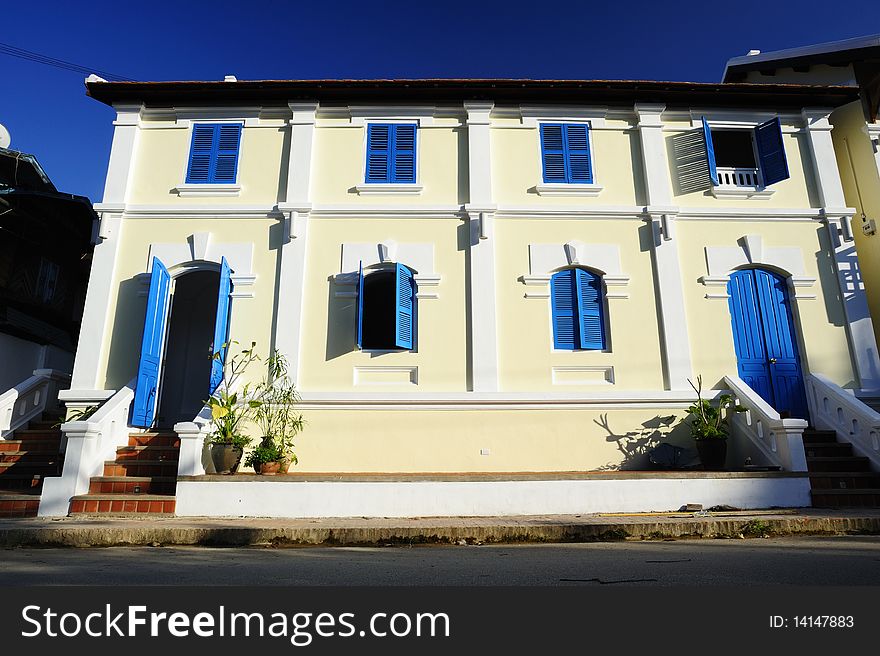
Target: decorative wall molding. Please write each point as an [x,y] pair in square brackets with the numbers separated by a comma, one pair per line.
[558,189]
[582,375]
[395,189]
[385,375]
[546,259]
[200,247]
[418,257]
[190,189]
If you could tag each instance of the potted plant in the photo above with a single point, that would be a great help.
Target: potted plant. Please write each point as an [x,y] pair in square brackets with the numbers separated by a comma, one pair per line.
[709,426]
[227,438]
[265,458]
[275,411]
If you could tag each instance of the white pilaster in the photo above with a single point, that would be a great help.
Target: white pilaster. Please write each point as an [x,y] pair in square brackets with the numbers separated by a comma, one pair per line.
[481,251]
[676,350]
[873,130]
[295,210]
[838,217]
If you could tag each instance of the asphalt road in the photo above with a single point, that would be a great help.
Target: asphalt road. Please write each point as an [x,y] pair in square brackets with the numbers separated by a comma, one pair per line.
[847,560]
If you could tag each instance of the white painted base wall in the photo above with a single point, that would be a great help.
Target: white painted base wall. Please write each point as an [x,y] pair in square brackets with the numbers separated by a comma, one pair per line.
[480,498]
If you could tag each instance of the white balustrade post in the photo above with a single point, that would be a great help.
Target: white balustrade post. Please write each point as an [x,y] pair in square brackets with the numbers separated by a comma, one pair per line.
[82,443]
[192,448]
[790,442]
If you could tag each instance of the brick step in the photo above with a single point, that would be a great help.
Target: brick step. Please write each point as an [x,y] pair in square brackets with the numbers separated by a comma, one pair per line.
[856,498]
[42,467]
[133,485]
[133,467]
[812,435]
[160,453]
[844,480]
[122,504]
[834,464]
[9,457]
[37,434]
[154,439]
[46,446]
[18,504]
[828,449]
[21,482]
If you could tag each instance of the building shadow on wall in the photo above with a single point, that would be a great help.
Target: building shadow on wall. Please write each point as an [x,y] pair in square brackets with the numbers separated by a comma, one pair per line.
[635,445]
[127,333]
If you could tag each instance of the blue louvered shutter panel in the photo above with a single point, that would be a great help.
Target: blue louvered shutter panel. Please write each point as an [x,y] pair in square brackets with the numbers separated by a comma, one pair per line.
[146,393]
[220,346]
[359,309]
[228,137]
[553,153]
[200,154]
[771,152]
[564,303]
[378,150]
[405,301]
[404,160]
[577,142]
[710,152]
[590,304]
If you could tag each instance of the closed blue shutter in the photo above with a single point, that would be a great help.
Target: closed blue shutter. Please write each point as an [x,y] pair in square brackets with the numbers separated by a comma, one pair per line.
[771,152]
[403,333]
[146,393]
[577,142]
[226,165]
[564,302]
[359,310]
[213,155]
[710,152]
[590,304]
[221,327]
[553,153]
[404,160]
[378,148]
[200,154]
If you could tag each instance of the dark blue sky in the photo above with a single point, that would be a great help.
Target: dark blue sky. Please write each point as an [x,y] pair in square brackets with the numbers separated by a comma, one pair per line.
[48,114]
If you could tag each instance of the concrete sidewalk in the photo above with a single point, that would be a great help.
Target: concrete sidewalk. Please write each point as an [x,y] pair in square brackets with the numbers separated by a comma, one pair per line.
[109,531]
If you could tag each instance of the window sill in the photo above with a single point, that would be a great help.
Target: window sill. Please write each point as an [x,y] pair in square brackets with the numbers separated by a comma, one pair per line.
[404,189]
[208,189]
[563,189]
[742,193]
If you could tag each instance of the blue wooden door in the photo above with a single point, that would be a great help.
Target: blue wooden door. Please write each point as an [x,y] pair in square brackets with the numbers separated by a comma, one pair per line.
[221,327]
[763,335]
[146,394]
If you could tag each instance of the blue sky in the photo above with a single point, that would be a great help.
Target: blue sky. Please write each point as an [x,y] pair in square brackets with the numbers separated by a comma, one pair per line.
[48,114]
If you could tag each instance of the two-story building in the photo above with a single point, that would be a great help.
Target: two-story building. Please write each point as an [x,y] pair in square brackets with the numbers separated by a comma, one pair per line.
[492,293]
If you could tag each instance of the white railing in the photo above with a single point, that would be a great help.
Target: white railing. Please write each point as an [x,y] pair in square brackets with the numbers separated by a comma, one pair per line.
[29,399]
[833,408]
[89,444]
[761,434]
[193,450]
[736,177]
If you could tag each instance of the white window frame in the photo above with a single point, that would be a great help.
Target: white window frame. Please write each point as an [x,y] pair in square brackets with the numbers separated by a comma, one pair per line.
[365,188]
[208,189]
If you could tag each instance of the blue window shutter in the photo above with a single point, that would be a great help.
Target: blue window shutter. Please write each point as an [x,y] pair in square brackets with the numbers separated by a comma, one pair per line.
[146,393]
[563,303]
[378,153]
[405,300]
[710,152]
[220,346]
[200,154]
[771,152]
[227,138]
[590,306]
[553,153]
[577,143]
[359,310]
[404,160]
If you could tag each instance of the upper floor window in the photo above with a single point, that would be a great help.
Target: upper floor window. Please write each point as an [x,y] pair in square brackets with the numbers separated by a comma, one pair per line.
[391,153]
[565,153]
[386,309]
[578,308]
[740,157]
[213,155]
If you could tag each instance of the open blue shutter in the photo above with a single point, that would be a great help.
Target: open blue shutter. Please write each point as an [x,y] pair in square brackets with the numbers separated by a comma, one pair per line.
[200,154]
[403,333]
[710,152]
[404,159]
[553,153]
[359,316]
[146,393]
[577,141]
[221,326]
[378,148]
[227,137]
[563,303]
[590,305]
[771,152]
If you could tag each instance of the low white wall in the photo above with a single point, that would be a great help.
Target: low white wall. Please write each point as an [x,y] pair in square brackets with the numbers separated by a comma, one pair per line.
[272,498]
[19,358]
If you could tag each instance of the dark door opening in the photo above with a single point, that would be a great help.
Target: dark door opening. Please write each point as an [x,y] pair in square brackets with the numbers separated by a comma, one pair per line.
[379,310]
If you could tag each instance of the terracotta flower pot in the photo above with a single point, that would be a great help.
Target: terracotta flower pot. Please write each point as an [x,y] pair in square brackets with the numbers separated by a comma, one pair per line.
[270,468]
[285,466]
[225,458]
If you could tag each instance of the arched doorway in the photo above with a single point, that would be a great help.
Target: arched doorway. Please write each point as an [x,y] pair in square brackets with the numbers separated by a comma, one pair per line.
[765,340]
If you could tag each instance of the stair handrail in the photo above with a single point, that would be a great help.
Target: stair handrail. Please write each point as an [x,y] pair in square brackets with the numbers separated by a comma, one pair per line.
[834,408]
[779,442]
[90,443]
[193,452]
[29,399]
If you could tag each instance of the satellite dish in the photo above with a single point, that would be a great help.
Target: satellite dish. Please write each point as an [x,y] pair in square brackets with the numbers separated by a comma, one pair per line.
[5,139]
